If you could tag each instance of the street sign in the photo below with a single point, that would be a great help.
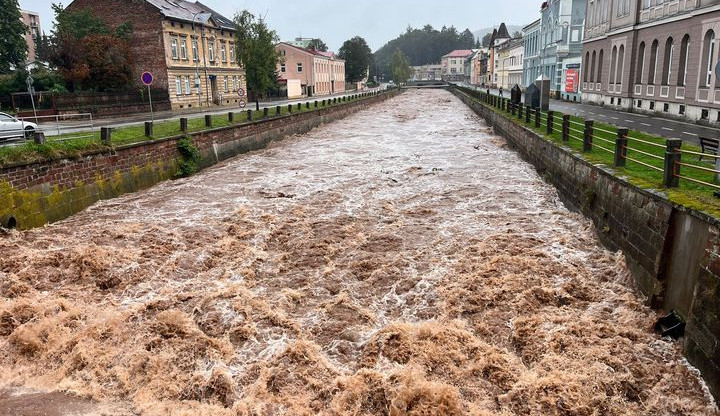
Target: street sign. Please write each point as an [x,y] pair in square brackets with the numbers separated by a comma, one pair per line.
[147,78]
[242,104]
[241,92]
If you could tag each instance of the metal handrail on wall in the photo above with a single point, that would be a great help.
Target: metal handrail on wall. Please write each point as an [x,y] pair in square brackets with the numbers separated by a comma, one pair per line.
[670,154]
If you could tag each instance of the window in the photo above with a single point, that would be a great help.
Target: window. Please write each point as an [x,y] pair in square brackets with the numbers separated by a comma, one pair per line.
[684,57]
[641,63]
[282,68]
[174,48]
[235,83]
[299,67]
[198,84]
[587,62]
[223,52]
[226,84]
[187,84]
[708,55]
[653,63]
[183,49]
[613,66]
[178,86]
[211,51]
[600,65]
[232,53]
[592,68]
[667,64]
[195,50]
[620,64]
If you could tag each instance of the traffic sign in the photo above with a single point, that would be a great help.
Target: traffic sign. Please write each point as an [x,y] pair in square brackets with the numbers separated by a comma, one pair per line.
[147,78]
[241,92]
[242,104]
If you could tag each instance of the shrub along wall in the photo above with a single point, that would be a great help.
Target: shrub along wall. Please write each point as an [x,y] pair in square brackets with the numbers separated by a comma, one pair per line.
[34,194]
[673,252]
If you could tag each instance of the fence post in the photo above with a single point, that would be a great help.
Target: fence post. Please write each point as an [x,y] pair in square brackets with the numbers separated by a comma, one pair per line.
[266,111]
[106,135]
[148,129]
[290,108]
[528,112]
[566,128]
[549,128]
[231,116]
[672,160]
[316,104]
[537,118]
[520,110]
[39,137]
[299,106]
[208,121]
[621,143]
[277,110]
[587,137]
[512,109]
[184,124]
[249,115]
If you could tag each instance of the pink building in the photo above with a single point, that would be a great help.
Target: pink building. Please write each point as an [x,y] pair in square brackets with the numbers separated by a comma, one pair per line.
[32,21]
[319,73]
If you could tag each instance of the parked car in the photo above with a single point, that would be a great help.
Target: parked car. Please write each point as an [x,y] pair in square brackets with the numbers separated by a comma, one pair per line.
[11,127]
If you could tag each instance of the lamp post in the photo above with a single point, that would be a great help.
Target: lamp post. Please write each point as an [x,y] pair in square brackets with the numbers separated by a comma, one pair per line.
[204,17]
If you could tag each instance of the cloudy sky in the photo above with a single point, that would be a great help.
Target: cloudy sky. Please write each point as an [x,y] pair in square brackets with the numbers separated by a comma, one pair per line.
[378,21]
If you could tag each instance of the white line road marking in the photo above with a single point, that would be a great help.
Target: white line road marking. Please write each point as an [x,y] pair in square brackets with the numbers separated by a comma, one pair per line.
[614,118]
[688,133]
[668,129]
[591,113]
[629,121]
[645,124]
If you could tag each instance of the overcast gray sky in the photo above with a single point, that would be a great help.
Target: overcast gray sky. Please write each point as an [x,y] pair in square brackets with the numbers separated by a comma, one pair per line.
[378,21]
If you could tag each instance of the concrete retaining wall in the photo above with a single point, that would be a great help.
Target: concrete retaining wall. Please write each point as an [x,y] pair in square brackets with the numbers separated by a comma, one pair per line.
[673,252]
[34,194]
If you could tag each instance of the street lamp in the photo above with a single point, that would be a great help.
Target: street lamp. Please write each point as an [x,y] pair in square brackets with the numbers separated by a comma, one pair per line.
[204,17]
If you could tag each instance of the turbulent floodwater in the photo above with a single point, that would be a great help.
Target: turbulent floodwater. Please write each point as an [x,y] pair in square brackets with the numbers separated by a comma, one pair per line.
[401,261]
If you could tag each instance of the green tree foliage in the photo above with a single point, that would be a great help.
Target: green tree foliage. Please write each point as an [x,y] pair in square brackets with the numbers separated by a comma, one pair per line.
[400,67]
[13,49]
[517,34]
[423,46]
[88,54]
[318,45]
[486,40]
[256,43]
[357,56]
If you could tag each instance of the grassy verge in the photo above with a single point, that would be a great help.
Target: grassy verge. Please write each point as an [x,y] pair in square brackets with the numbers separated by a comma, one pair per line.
[71,146]
[645,149]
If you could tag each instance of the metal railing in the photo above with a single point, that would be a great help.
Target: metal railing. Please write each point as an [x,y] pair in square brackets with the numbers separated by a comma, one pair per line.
[665,158]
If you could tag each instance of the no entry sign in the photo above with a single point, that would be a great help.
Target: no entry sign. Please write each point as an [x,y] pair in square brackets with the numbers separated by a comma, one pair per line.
[147,78]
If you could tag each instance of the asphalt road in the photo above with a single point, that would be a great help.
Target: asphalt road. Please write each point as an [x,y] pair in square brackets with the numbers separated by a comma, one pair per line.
[656,126]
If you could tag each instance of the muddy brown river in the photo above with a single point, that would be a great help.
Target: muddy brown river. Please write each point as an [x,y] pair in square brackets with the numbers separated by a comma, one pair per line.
[402,261]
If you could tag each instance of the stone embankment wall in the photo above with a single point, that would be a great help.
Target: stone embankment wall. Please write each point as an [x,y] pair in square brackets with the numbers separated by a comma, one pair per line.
[34,194]
[674,252]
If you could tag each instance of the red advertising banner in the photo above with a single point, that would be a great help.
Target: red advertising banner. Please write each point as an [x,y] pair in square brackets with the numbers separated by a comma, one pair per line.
[571,80]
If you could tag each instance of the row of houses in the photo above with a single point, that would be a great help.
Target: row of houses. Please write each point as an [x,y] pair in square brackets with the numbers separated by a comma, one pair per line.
[190,50]
[654,56]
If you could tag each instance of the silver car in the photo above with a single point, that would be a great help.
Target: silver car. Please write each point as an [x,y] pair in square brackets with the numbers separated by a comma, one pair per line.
[11,127]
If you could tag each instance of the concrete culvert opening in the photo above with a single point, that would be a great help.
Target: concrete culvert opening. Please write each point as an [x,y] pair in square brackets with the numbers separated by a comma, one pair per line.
[11,223]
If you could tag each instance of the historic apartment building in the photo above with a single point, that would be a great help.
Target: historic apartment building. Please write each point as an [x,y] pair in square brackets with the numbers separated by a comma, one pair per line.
[430,72]
[532,68]
[653,56]
[32,21]
[319,73]
[509,68]
[498,38]
[188,47]
[454,65]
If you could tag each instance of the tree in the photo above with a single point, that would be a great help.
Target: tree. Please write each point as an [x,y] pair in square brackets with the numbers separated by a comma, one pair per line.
[256,43]
[13,49]
[486,40]
[357,56]
[317,45]
[517,34]
[89,55]
[400,67]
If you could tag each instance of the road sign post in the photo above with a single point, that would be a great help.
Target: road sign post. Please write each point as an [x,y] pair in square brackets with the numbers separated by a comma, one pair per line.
[31,91]
[147,79]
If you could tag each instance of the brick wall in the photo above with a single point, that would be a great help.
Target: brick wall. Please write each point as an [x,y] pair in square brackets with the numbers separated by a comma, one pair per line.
[673,252]
[38,193]
[147,38]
